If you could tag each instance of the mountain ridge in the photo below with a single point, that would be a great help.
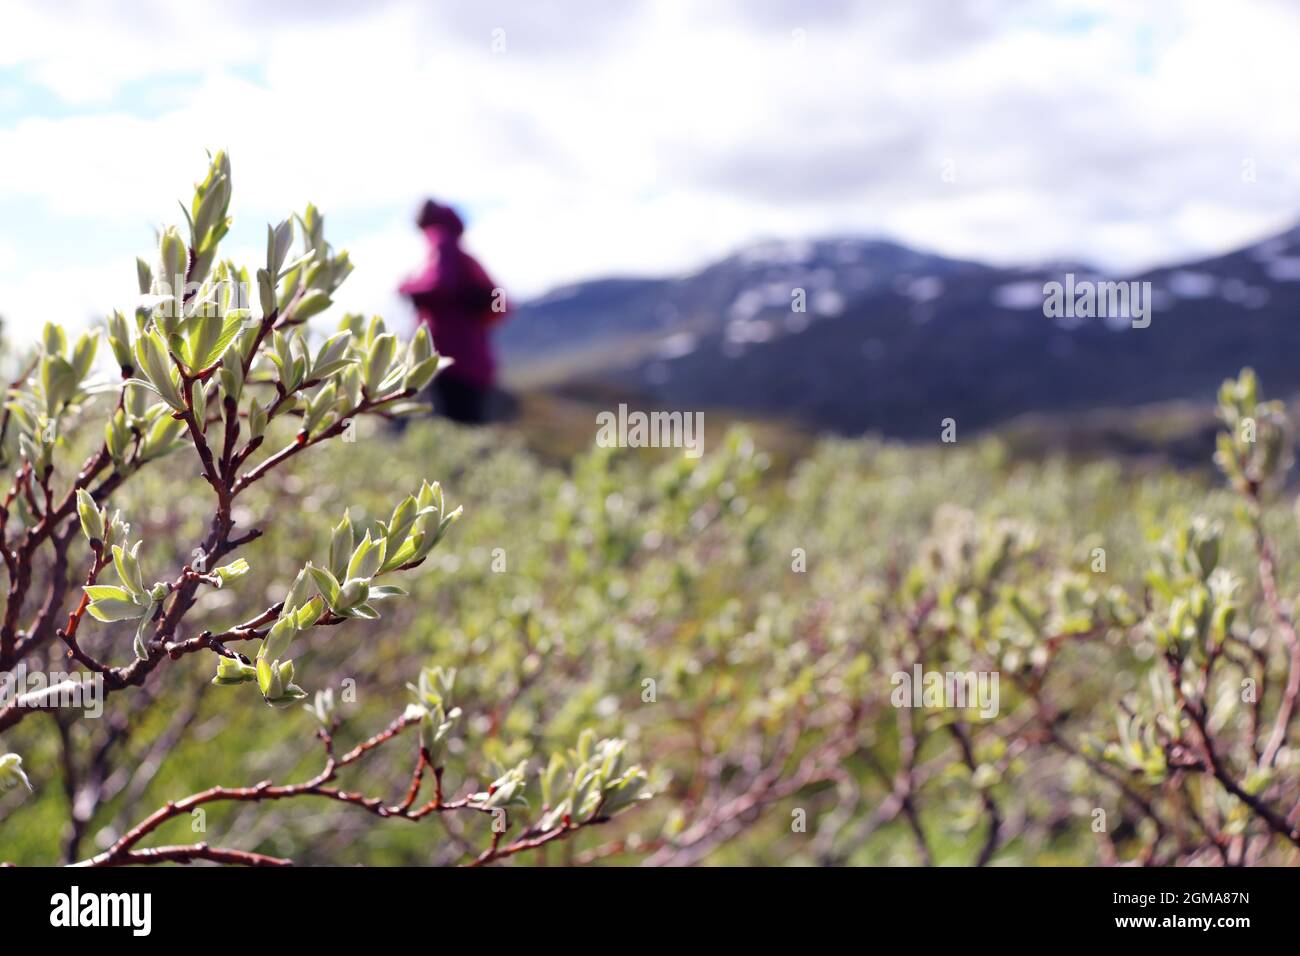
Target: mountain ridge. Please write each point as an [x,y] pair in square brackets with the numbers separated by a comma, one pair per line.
[894,339]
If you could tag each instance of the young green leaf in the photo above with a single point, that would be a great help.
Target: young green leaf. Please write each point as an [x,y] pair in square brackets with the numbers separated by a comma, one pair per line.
[92,521]
[341,544]
[367,558]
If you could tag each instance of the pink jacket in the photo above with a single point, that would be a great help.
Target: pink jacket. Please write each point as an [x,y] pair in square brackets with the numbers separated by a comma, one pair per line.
[453,295]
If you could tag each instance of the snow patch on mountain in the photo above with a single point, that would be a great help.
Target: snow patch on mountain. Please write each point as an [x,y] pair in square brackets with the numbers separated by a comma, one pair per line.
[1192,285]
[1019,295]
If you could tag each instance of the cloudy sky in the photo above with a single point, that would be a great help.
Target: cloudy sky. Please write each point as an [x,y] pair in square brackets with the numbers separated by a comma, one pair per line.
[584,138]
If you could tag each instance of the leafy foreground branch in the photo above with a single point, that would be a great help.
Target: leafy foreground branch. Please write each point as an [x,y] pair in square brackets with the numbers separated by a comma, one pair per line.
[198,369]
[596,787]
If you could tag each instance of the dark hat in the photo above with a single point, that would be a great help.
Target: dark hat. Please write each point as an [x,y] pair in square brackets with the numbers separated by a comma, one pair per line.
[435,214]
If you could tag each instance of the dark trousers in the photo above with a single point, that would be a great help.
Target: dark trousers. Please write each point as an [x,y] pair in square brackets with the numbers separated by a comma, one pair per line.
[458,400]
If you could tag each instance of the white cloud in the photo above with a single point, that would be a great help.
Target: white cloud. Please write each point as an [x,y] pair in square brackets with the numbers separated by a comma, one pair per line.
[634,138]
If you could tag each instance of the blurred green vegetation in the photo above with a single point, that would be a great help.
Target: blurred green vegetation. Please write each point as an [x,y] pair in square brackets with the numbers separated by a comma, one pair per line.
[575,579]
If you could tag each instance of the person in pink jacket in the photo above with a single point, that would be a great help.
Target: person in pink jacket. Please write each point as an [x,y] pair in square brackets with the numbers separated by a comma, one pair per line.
[456,299]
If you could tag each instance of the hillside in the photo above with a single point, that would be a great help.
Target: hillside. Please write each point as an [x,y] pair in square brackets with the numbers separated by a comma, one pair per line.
[894,340]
